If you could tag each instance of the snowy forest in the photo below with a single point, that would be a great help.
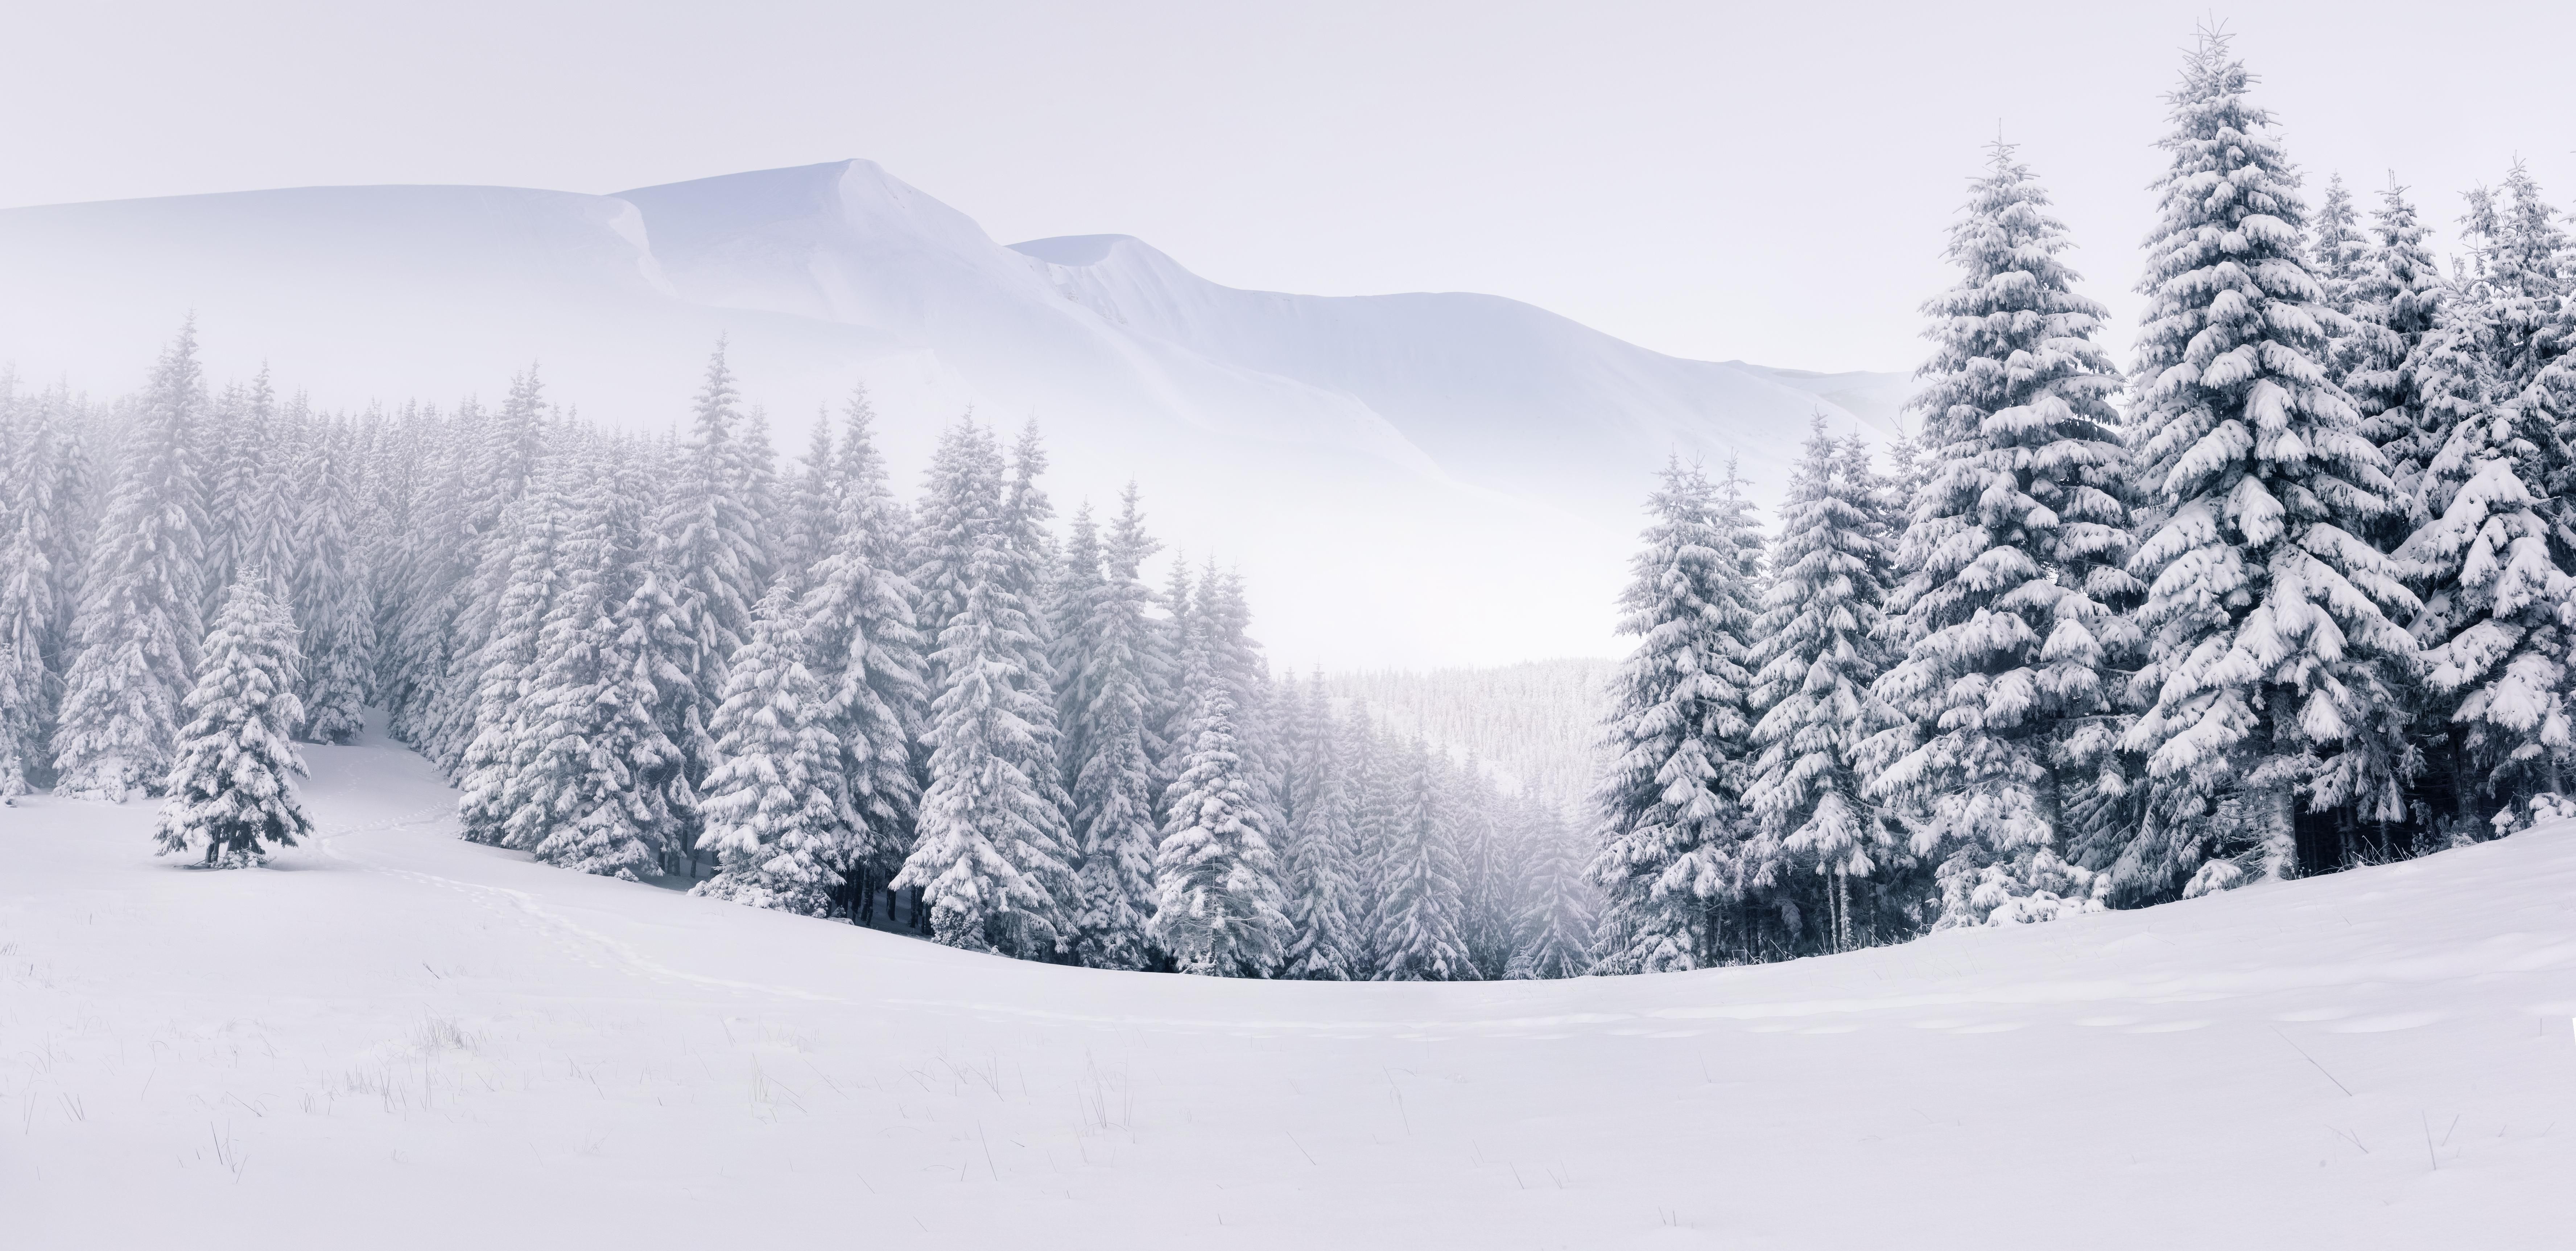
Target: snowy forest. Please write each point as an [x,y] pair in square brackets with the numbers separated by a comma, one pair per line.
[671,659]
[2289,592]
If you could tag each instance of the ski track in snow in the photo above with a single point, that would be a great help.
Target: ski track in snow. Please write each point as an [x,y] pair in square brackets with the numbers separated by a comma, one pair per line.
[563,931]
[395,1039]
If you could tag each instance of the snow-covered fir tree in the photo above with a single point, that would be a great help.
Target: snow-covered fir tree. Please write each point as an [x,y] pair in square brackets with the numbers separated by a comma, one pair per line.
[498,457]
[2338,254]
[2517,324]
[653,647]
[1235,661]
[2493,627]
[808,511]
[1317,867]
[1416,926]
[231,788]
[1677,743]
[2010,582]
[429,560]
[777,808]
[28,449]
[1375,788]
[2519,258]
[2395,302]
[385,454]
[987,856]
[139,623]
[867,654]
[77,481]
[1078,585]
[334,619]
[1818,654]
[960,504]
[247,453]
[1216,883]
[1107,661]
[714,558]
[598,787]
[2486,552]
[1556,922]
[495,762]
[1028,574]
[1179,631]
[1489,869]
[2273,648]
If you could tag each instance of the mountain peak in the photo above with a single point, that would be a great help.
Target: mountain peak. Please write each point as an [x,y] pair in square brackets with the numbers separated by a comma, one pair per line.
[1080,251]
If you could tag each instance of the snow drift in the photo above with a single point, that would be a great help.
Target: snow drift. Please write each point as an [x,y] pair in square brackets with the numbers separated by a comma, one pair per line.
[1460,473]
[397,1039]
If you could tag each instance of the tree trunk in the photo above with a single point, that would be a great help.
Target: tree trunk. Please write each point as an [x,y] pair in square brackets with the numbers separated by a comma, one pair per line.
[2280,818]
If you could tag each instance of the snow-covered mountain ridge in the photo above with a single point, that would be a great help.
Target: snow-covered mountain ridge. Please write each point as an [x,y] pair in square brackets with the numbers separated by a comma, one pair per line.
[1415,461]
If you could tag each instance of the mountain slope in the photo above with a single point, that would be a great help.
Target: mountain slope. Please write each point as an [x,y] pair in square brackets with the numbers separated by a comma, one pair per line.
[1495,391]
[1459,472]
[397,1039]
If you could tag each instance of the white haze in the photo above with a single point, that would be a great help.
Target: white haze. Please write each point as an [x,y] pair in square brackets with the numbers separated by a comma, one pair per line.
[1401,479]
[1717,181]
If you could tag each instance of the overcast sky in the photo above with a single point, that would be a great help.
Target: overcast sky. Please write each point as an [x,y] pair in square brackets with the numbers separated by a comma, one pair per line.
[1710,180]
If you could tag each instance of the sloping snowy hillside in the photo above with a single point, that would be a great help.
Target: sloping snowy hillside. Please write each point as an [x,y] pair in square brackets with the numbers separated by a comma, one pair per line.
[397,1039]
[1463,471]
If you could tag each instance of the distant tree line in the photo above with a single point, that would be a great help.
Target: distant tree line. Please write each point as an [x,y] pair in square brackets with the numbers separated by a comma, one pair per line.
[671,658]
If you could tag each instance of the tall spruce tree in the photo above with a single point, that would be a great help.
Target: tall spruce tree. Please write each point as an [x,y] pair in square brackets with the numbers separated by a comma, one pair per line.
[867,654]
[77,509]
[2487,552]
[714,556]
[2010,586]
[495,761]
[1818,654]
[28,449]
[777,808]
[334,619]
[2493,626]
[2519,258]
[1216,882]
[655,649]
[138,626]
[1489,870]
[1029,572]
[1375,794]
[251,496]
[1179,631]
[1556,917]
[2518,327]
[1416,926]
[2395,303]
[1108,661]
[1323,909]
[961,502]
[597,788]
[434,556]
[2338,255]
[499,454]
[987,856]
[1677,741]
[2276,665]
[231,789]
[809,508]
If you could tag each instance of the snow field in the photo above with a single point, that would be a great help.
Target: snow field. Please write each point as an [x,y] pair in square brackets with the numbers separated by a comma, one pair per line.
[393,1038]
